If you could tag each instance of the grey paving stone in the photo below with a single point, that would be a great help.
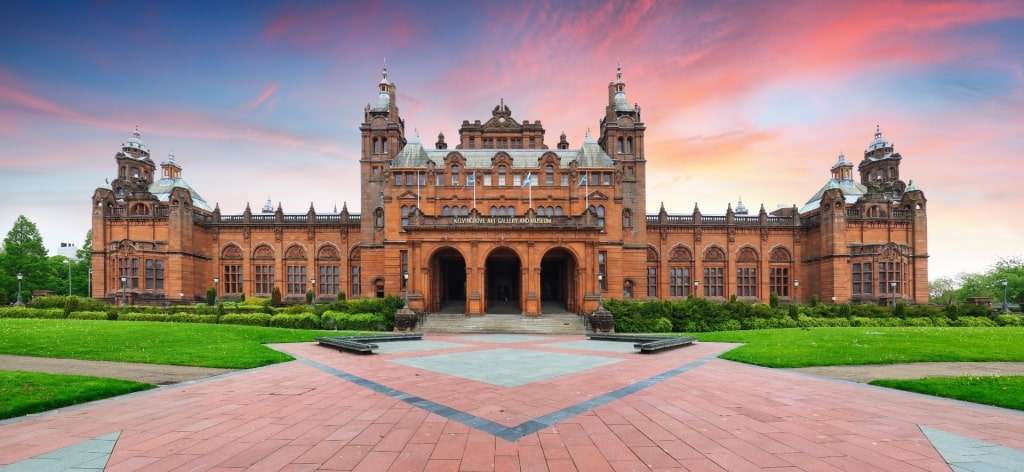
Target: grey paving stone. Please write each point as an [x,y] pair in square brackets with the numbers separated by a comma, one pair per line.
[507,367]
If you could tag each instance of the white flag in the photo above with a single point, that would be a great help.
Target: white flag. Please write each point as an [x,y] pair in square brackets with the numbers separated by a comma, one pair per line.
[526,181]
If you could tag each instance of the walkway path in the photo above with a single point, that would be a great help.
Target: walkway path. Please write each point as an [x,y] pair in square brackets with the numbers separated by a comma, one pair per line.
[514,402]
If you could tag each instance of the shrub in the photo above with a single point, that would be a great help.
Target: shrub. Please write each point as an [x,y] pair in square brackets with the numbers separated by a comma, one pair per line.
[248,319]
[773,300]
[88,315]
[302,321]
[275,296]
[359,321]
[136,316]
[974,322]
[192,318]
[294,310]
[1010,320]
[27,312]
[211,296]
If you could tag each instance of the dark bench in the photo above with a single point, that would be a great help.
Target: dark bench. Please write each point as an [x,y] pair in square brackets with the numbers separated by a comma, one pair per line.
[365,344]
[667,343]
[645,343]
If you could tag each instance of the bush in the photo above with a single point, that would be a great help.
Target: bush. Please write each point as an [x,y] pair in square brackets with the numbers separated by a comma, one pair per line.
[275,297]
[303,321]
[294,310]
[360,321]
[974,322]
[1010,320]
[88,315]
[248,319]
[26,312]
[136,316]
[773,300]
[192,318]
[211,296]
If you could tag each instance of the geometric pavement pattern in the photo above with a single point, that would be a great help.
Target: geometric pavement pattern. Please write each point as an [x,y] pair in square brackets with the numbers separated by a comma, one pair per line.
[680,409]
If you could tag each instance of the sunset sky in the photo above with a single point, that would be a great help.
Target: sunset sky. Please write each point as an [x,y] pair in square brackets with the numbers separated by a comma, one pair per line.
[756,100]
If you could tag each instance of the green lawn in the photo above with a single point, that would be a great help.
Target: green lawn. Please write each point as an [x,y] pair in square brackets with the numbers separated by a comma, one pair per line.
[189,344]
[789,348]
[24,393]
[1006,392]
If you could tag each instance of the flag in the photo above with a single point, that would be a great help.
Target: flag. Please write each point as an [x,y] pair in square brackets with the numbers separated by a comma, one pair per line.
[583,179]
[526,181]
[470,180]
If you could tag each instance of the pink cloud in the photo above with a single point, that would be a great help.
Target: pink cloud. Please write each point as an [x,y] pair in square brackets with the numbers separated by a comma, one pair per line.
[267,93]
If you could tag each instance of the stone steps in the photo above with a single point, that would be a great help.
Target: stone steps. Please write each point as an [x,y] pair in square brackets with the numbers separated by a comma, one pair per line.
[557,323]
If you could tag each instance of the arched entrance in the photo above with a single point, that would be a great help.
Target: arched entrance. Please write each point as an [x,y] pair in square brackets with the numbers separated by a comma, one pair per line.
[557,283]
[448,285]
[502,282]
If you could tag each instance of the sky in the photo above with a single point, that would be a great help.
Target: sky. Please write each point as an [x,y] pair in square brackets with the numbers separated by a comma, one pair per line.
[753,100]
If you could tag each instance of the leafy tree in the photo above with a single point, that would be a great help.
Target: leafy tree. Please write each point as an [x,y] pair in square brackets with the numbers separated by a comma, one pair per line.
[23,251]
[942,290]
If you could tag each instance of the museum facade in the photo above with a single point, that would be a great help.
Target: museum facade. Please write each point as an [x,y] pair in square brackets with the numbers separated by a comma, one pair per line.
[503,223]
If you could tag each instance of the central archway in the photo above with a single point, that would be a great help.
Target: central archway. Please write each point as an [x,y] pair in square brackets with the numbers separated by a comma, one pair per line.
[448,286]
[503,282]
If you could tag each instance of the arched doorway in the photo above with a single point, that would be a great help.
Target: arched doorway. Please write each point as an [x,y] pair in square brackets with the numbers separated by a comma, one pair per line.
[502,282]
[557,283]
[448,285]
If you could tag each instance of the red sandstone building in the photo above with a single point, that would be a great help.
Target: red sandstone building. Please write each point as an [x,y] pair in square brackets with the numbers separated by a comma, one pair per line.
[501,222]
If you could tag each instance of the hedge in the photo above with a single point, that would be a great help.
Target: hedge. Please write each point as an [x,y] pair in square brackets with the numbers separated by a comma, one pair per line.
[355,321]
[136,316]
[90,315]
[302,321]
[26,312]
[248,319]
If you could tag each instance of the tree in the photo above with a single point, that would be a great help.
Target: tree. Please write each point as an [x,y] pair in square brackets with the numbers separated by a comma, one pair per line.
[942,290]
[23,251]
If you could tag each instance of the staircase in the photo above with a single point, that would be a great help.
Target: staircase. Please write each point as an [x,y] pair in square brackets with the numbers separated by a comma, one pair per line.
[556,323]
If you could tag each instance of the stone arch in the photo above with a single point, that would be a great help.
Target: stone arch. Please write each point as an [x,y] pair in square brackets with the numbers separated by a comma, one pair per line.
[328,252]
[355,253]
[652,254]
[680,252]
[263,251]
[780,254]
[295,252]
[747,254]
[231,252]
[714,253]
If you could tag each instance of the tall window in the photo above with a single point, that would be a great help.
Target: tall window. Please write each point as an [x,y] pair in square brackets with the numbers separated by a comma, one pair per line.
[405,215]
[405,269]
[355,280]
[409,179]
[652,281]
[778,281]
[501,175]
[232,278]
[746,282]
[264,279]
[602,264]
[679,281]
[128,267]
[714,282]
[549,175]
[862,278]
[154,274]
[619,145]
[329,278]
[455,176]
[296,280]
[629,145]
[599,210]
[627,289]
[890,272]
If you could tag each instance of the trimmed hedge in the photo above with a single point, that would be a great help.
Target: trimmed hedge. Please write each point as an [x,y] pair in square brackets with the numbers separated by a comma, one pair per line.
[26,312]
[192,318]
[301,321]
[135,316]
[90,315]
[248,319]
[356,321]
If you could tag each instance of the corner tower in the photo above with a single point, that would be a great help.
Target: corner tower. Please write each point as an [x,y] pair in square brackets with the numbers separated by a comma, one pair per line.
[383,137]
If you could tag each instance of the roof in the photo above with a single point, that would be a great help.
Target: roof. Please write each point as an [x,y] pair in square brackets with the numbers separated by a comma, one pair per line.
[415,155]
[162,190]
[852,190]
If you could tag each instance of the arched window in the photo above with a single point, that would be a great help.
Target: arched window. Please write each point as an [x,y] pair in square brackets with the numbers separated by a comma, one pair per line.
[378,218]
[627,219]
[376,146]
[446,211]
[558,211]
[892,172]
[455,176]
[465,210]
[384,145]
[619,145]
[627,289]
[540,211]
[511,211]
[494,211]
[502,175]
[501,211]
[629,145]
[549,175]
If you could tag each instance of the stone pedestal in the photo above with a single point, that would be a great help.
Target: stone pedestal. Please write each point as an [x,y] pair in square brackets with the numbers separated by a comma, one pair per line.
[602,321]
[405,319]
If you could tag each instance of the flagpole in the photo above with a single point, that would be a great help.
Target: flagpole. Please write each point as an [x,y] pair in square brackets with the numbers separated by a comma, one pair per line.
[417,189]
[474,190]
[586,191]
[531,193]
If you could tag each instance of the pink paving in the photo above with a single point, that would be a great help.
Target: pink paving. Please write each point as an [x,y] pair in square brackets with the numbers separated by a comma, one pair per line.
[718,415]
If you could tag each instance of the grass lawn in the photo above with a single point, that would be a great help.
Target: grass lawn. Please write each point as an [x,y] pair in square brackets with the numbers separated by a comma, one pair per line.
[24,393]
[189,344]
[789,348]
[1006,392]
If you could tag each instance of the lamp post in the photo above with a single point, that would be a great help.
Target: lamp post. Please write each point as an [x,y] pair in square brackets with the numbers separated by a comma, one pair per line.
[312,299]
[600,294]
[90,284]
[124,291]
[405,277]
[69,276]
[796,291]
[892,289]
[696,283]
[216,290]
[19,289]
[1005,282]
